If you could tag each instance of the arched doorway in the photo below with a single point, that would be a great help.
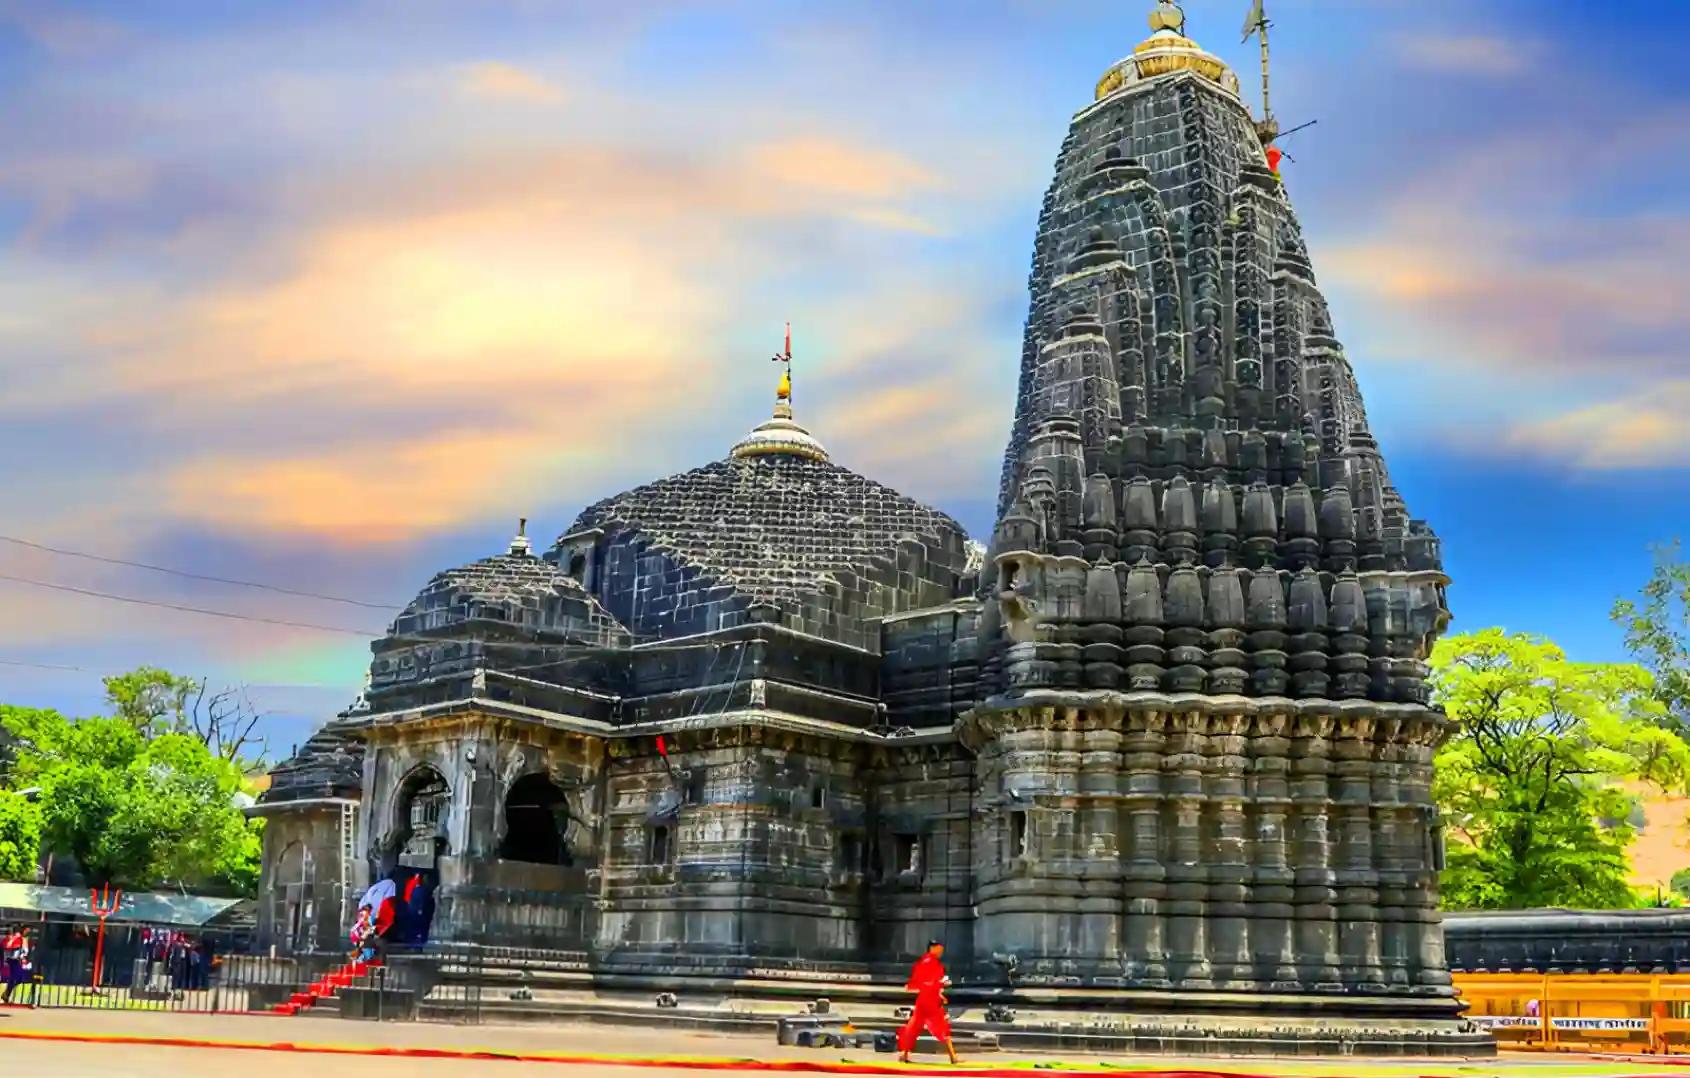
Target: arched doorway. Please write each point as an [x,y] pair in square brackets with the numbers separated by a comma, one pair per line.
[421,813]
[536,823]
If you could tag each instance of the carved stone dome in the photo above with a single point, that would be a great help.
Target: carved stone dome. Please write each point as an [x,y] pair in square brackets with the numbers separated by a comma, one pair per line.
[514,588]
[775,525]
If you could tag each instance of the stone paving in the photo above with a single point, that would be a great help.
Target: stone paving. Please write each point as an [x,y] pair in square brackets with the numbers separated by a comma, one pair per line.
[23,1055]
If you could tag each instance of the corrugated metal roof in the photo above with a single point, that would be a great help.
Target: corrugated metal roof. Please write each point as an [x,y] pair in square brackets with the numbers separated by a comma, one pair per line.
[149,907]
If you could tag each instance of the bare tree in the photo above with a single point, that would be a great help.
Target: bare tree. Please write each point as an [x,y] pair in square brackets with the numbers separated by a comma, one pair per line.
[227,721]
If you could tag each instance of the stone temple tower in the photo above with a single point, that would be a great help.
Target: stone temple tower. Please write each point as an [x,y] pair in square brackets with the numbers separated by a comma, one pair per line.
[1155,767]
[1205,755]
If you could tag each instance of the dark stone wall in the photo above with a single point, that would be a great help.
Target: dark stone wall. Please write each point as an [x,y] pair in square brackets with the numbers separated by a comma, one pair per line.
[929,668]
[921,856]
[738,853]
[1569,941]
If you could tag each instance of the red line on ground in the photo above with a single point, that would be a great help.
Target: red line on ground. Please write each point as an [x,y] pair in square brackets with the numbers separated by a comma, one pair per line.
[791,1066]
[678,1062]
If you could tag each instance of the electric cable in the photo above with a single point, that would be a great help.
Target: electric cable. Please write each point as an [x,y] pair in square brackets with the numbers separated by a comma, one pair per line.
[403,638]
[185,609]
[41,666]
[194,576]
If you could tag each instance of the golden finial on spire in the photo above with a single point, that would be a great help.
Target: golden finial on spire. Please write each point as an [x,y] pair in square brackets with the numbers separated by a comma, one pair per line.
[781,436]
[1168,16]
[1166,51]
[783,391]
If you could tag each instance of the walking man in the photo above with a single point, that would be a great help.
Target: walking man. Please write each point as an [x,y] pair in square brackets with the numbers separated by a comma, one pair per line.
[928,981]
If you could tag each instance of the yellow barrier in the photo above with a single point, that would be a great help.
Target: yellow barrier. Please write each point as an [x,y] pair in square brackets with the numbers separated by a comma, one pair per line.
[1637,1012]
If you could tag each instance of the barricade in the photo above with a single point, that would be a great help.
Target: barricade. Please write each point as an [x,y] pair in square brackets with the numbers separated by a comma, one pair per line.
[150,967]
[1588,1012]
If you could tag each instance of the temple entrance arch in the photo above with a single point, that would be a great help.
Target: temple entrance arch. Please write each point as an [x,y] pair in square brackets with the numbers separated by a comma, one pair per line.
[421,814]
[536,823]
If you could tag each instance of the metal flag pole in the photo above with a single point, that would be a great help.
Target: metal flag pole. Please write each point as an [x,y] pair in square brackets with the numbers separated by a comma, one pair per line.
[1257,22]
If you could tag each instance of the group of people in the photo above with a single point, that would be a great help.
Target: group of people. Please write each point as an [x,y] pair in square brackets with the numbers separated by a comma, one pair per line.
[16,966]
[390,913]
[188,961]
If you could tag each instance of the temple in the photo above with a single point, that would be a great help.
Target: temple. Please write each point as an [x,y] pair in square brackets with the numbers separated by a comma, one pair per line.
[1154,765]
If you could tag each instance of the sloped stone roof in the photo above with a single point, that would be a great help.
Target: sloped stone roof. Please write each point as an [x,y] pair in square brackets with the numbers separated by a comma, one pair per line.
[329,764]
[515,587]
[790,532]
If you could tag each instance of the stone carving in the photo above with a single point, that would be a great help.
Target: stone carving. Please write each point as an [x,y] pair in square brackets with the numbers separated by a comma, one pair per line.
[1169,731]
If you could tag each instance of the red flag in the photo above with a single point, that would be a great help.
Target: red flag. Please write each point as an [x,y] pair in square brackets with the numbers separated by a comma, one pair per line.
[789,340]
[1273,155]
[662,749]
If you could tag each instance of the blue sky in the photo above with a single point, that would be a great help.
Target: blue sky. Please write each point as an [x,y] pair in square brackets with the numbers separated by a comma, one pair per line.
[329,294]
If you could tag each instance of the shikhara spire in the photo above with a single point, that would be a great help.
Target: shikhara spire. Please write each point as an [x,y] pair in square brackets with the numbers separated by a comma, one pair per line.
[1203,587]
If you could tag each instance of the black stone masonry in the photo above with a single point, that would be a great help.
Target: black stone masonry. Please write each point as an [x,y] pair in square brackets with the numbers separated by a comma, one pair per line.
[1155,765]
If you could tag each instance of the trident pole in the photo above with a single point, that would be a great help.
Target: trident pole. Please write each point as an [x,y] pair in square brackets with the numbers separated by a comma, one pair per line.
[102,905]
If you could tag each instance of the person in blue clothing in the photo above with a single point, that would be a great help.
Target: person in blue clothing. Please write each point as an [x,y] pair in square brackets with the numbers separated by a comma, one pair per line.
[15,965]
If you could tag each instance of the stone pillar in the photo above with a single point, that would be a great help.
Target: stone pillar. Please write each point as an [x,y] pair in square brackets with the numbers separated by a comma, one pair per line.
[1316,913]
[1145,877]
[1393,825]
[1273,942]
[1100,854]
[1229,866]
[1356,877]
[1425,928]
[1188,874]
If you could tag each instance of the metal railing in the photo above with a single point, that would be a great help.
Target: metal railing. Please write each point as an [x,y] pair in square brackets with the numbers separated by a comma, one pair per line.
[143,967]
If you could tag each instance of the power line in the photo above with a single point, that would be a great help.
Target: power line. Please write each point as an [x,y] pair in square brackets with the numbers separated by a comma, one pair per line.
[185,609]
[42,666]
[196,576]
[581,651]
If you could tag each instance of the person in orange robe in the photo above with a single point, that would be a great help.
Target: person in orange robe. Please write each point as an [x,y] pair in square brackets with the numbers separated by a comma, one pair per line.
[928,981]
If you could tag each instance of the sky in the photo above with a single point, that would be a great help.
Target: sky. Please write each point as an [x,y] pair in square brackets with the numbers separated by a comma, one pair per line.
[327,295]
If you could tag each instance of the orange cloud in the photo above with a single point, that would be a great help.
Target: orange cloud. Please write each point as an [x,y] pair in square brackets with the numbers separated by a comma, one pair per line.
[562,298]
[839,168]
[374,494]
[1489,297]
[1643,431]
[494,79]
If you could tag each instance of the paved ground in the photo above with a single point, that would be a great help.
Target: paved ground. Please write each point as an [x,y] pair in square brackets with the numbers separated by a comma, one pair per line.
[26,1052]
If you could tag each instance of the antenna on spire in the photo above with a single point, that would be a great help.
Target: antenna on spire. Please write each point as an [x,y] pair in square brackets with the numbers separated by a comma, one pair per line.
[1256,22]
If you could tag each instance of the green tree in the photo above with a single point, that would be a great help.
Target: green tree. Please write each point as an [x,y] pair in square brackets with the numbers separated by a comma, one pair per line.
[20,837]
[152,700]
[1680,883]
[133,807]
[156,701]
[1529,783]
[1657,630]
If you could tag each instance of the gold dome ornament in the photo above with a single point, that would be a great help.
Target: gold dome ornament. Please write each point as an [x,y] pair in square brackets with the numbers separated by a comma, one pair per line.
[781,435]
[1166,51]
[1168,16]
